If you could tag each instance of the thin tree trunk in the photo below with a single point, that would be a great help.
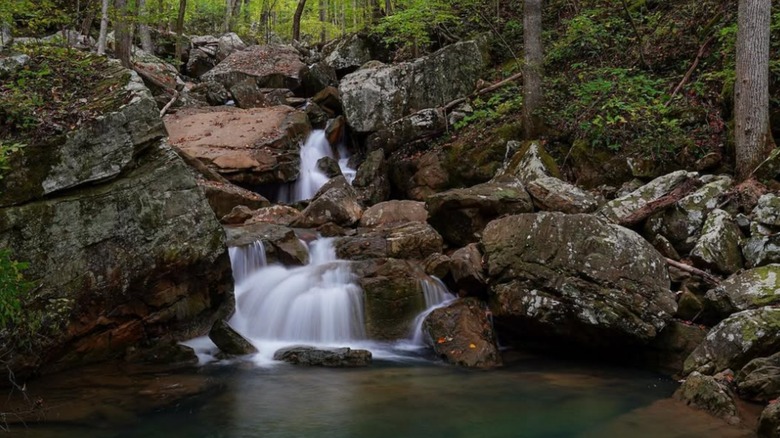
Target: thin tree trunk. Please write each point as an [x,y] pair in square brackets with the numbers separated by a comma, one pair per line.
[752,137]
[179,32]
[533,98]
[388,8]
[143,28]
[296,32]
[323,20]
[228,15]
[101,45]
[122,35]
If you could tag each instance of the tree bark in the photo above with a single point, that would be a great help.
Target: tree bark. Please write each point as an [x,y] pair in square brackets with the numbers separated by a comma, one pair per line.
[752,137]
[122,35]
[179,32]
[323,20]
[143,28]
[228,15]
[296,35]
[533,98]
[101,45]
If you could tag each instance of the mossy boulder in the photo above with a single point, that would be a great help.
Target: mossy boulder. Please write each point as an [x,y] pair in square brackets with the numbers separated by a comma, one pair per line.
[767,211]
[530,162]
[553,194]
[759,380]
[748,289]
[769,423]
[708,394]
[718,246]
[575,277]
[624,206]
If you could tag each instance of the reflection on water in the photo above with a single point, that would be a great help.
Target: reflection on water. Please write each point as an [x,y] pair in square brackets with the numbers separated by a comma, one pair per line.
[416,400]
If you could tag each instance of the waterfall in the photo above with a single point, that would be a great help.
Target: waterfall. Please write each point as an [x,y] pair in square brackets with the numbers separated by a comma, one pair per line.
[311,178]
[317,303]
[246,259]
[436,296]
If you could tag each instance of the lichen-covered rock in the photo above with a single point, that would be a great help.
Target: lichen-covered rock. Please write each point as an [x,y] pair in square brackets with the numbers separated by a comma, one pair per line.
[237,216]
[247,146]
[577,277]
[467,271]
[460,215]
[749,289]
[230,341]
[759,380]
[760,250]
[767,211]
[349,53]
[211,93]
[281,243]
[372,180]
[224,197]
[423,123]
[324,357]
[393,296]
[530,162]
[769,423]
[275,214]
[553,194]
[376,97]
[624,206]
[208,51]
[335,202]
[706,393]
[718,245]
[462,334]
[270,66]
[319,76]
[412,240]
[737,340]
[770,168]
[394,212]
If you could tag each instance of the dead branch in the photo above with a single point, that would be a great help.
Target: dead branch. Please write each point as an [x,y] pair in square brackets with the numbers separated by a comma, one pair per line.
[450,106]
[709,278]
[690,71]
[170,103]
[681,191]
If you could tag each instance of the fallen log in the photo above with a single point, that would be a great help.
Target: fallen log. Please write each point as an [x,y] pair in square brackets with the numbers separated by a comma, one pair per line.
[681,191]
[709,278]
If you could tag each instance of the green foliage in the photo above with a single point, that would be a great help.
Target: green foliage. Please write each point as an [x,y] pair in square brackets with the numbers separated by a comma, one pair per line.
[413,22]
[502,102]
[12,287]
[6,150]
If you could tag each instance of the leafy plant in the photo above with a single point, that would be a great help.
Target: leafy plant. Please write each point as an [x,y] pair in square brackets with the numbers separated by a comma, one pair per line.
[6,149]
[12,286]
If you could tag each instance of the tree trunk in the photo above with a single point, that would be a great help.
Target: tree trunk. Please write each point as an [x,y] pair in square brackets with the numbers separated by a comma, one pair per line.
[179,32]
[388,8]
[533,98]
[296,36]
[143,28]
[228,15]
[323,20]
[752,137]
[123,39]
[101,45]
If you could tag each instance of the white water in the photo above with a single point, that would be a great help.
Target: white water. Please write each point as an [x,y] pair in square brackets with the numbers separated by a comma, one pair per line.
[311,177]
[436,296]
[246,259]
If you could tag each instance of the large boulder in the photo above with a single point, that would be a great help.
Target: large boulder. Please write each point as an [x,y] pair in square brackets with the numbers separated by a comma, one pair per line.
[229,340]
[577,277]
[424,123]
[462,334]
[623,207]
[371,180]
[324,357]
[207,51]
[335,202]
[718,245]
[375,97]
[737,340]
[413,240]
[419,177]
[224,197]
[759,380]
[281,243]
[251,147]
[710,395]
[270,66]
[393,213]
[529,162]
[748,289]
[769,423]
[552,194]
[461,214]
[349,53]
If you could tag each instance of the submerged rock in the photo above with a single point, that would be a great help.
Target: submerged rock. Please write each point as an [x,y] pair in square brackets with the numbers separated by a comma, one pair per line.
[577,277]
[462,334]
[332,357]
[230,341]
[706,393]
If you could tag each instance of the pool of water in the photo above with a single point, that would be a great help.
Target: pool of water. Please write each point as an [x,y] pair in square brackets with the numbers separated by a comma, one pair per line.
[532,398]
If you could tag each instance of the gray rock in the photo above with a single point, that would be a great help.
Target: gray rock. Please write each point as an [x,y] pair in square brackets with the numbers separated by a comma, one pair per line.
[224,197]
[269,66]
[759,380]
[321,357]
[553,194]
[624,206]
[706,393]
[427,122]
[718,245]
[467,270]
[10,64]
[462,334]
[377,96]
[460,215]
[371,180]
[230,341]
[530,162]
[408,241]
[329,166]
[749,289]
[393,213]
[767,212]
[336,202]
[769,423]
[737,340]
[577,277]
[210,92]
[760,250]
[349,53]
[319,76]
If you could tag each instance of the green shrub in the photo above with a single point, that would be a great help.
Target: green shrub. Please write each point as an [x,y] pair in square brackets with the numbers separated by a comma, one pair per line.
[12,286]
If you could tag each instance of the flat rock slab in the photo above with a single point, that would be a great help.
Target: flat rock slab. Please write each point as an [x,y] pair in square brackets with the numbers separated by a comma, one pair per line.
[250,146]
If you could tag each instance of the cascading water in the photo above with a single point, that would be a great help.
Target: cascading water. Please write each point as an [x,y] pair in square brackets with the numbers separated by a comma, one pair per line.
[436,296]
[311,177]
[246,259]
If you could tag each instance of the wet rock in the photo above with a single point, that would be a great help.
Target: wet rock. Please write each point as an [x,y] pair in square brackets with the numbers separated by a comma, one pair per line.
[317,116]
[335,130]
[270,66]
[437,265]
[460,215]
[760,250]
[329,166]
[224,197]
[329,99]
[413,240]
[706,393]
[530,162]
[276,214]
[252,147]
[462,334]
[375,97]
[164,353]
[737,340]
[576,277]
[759,380]
[322,357]
[624,206]
[372,181]
[749,289]
[335,202]
[393,296]
[424,123]
[674,344]
[467,271]
[767,212]
[553,194]
[718,246]
[281,243]
[393,213]
[769,423]
[230,341]
[349,53]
